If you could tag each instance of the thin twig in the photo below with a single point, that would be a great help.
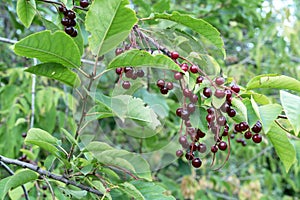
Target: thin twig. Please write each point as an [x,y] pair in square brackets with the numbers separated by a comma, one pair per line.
[12,173]
[50,188]
[49,174]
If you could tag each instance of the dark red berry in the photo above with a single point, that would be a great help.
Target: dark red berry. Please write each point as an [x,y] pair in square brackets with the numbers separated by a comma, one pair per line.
[235,88]
[134,76]
[194,98]
[184,67]
[164,90]
[225,107]
[210,110]
[222,146]
[231,112]
[174,55]
[257,127]
[74,34]
[244,126]
[191,108]
[71,14]
[196,162]
[160,83]
[193,146]
[220,81]
[202,148]
[182,140]
[221,120]
[127,69]
[118,51]
[199,79]
[69,30]
[129,74]
[244,143]
[257,138]
[237,128]
[214,149]
[65,21]
[179,153]
[84,3]
[140,73]
[169,85]
[24,134]
[200,134]
[44,187]
[207,92]
[119,70]
[72,22]
[194,69]
[210,118]
[177,75]
[187,92]
[126,85]
[248,134]
[188,123]
[178,112]
[62,9]
[228,94]
[189,155]
[219,93]
[185,115]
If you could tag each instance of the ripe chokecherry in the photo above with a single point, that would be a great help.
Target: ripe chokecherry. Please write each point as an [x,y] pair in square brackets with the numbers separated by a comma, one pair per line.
[84,3]
[219,80]
[222,146]
[126,85]
[194,69]
[207,92]
[174,55]
[257,138]
[196,162]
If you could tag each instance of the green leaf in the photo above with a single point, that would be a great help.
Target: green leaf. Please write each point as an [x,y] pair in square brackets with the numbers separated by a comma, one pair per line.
[151,190]
[109,23]
[128,108]
[69,136]
[268,113]
[274,81]
[74,194]
[283,147]
[198,25]
[241,110]
[131,191]
[252,116]
[42,139]
[198,119]
[139,58]
[18,179]
[56,71]
[291,107]
[108,155]
[26,11]
[50,47]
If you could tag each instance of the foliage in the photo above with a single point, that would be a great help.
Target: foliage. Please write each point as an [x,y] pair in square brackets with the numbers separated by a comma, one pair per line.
[78,121]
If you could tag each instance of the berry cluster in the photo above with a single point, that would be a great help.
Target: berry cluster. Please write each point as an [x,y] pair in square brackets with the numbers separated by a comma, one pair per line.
[68,21]
[164,87]
[130,72]
[84,3]
[217,118]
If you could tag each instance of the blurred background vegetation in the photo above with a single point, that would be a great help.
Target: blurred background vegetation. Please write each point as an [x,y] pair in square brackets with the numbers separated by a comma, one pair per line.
[261,37]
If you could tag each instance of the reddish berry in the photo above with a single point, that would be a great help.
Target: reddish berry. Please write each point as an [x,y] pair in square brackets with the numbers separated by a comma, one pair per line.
[178,112]
[189,155]
[219,93]
[194,98]
[221,120]
[248,134]
[191,108]
[257,138]
[169,85]
[119,70]
[194,69]
[199,79]
[84,3]
[140,73]
[202,148]
[220,81]
[231,112]
[126,85]
[164,90]
[257,127]
[179,153]
[222,146]
[196,162]
[177,75]
[118,51]
[187,92]
[214,149]
[174,55]
[235,88]
[207,92]
[200,134]
[184,67]
[160,83]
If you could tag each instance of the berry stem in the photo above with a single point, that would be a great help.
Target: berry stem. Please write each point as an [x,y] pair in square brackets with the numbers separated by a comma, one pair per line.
[227,157]
[52,2]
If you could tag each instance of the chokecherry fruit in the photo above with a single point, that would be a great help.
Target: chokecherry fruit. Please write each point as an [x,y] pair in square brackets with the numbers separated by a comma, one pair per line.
[189,155]
[235,88]
[248,134]
[84,3]
[160,83]
[221,120]
[194,98]
[214,149]
[118,51]
[194,69]
[177,75]
[174,55]
[71,14]
[140,73]
[126,85]
[196,162]
[191,108]
[179,153]
[119,70]
[219,80]
[202,148]
[178,112]
[187,92]
[65,21]
[169,85]
[231,112]
[164,90]
[184,67]
[257,138]
[207,92]
[222,146]
[69,30]
[257,127]
[199,79]
[219,93]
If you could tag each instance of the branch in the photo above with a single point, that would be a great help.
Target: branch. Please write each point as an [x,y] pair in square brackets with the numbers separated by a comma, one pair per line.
[12,173]
[49,174]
